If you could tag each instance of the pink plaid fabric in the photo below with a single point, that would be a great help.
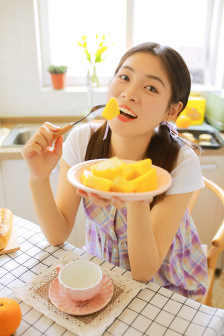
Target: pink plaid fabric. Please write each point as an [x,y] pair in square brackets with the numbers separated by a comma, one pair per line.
[184,269]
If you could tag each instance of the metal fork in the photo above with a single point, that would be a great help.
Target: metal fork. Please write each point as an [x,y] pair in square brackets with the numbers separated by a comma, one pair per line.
[65,129]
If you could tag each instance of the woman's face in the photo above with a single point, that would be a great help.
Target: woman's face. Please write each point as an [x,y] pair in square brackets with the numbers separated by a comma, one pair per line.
[143,91]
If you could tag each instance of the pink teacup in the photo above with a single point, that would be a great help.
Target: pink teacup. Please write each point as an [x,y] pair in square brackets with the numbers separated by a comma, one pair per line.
[80,280]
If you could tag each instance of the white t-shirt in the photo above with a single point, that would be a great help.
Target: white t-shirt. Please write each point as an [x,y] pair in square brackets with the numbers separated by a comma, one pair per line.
[186,176]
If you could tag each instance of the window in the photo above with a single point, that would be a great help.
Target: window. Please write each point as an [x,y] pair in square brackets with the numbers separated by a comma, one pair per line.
[179,24]
[193,27]
[64,22]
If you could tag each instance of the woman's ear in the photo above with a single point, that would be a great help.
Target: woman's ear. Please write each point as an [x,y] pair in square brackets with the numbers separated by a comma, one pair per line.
[174,110]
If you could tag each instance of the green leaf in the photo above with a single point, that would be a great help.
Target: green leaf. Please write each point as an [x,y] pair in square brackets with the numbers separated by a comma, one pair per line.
[57,69]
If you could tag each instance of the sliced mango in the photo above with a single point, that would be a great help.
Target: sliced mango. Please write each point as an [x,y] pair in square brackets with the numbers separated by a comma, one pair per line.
[111,110]
[91,181]
[119,184]
[141,167]
[109,169]
[128,172]
[146,182]
[115,175]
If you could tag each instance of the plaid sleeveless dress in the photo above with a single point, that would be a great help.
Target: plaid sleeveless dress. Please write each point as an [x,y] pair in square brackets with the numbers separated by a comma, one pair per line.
[184,269]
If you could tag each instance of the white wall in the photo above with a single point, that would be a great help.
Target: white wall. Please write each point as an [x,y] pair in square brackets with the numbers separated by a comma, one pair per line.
[20,90]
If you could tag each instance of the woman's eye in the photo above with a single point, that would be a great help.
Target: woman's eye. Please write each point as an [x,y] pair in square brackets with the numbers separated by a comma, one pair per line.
[124,77]
[151,88]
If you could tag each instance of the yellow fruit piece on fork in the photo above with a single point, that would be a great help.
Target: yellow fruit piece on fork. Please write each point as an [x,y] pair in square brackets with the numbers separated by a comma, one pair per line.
[111,110]
[91,181]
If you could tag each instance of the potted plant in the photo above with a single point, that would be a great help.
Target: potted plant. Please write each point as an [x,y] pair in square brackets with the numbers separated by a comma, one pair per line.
[58,76]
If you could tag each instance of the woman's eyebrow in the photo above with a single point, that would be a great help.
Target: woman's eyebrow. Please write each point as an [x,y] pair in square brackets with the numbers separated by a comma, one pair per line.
[147,76]
[156,78]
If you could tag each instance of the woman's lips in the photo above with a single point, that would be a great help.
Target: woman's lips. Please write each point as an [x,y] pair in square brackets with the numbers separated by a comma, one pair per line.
[127,110]
[124,119]
[126,114]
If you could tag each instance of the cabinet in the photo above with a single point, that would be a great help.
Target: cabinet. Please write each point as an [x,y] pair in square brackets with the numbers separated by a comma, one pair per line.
[17,196]
[2,192]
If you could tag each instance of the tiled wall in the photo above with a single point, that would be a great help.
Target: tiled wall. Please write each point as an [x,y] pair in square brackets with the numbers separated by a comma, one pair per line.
[20,89]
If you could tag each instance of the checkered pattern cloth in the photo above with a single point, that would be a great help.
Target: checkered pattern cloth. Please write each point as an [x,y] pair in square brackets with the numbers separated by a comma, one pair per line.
[184,269]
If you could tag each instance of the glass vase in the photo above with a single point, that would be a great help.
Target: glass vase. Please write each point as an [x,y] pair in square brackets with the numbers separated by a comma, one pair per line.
[95,79]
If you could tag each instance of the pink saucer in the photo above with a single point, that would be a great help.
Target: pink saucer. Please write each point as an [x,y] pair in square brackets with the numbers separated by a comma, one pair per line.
[64,303]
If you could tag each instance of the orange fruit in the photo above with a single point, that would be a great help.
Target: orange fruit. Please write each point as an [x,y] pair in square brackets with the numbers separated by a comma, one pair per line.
[183,121]
[10,316]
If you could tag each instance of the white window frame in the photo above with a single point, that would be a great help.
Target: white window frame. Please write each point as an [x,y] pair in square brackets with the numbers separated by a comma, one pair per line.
[215,43]
[214,70]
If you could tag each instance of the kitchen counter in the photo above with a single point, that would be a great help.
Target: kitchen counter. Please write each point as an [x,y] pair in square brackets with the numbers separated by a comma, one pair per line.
[153,310]
[14,153]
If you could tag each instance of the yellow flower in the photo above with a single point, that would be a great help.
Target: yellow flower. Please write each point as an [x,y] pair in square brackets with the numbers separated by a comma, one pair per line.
[90,54]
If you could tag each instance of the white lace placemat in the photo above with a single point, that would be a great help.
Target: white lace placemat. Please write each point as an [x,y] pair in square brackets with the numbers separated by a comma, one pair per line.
[35,294]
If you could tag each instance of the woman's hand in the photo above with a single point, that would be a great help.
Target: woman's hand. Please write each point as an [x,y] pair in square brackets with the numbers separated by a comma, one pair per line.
[115,201]
[40,153]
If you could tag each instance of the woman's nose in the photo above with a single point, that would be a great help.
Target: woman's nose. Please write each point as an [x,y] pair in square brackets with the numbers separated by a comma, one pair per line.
[130,94]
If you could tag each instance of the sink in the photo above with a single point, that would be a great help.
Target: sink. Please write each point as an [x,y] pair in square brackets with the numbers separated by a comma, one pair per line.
[21,133]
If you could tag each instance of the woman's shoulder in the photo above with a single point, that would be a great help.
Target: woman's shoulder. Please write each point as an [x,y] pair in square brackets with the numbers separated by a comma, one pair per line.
[82,132]
[74,147]
[187,160]
[85,129]
[187,175]
[187,153]
[79,129]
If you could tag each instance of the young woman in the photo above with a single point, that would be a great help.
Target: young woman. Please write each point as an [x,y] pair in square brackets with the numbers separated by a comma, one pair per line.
[156,241]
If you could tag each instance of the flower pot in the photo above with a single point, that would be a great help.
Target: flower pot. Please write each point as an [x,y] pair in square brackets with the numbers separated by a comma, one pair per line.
[59,81]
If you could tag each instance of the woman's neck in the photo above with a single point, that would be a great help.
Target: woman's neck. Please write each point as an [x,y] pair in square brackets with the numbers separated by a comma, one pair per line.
[128,148]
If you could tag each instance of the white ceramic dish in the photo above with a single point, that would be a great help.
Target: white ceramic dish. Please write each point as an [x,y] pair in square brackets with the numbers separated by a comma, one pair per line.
[75,172]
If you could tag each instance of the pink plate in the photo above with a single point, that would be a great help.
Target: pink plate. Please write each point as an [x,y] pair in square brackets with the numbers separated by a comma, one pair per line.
[75,172]
[64,303]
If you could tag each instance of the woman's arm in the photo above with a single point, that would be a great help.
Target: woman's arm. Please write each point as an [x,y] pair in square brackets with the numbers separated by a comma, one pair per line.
[150,233]
[42,155]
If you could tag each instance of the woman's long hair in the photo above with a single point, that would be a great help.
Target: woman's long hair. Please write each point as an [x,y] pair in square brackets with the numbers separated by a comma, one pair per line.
[163,149]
